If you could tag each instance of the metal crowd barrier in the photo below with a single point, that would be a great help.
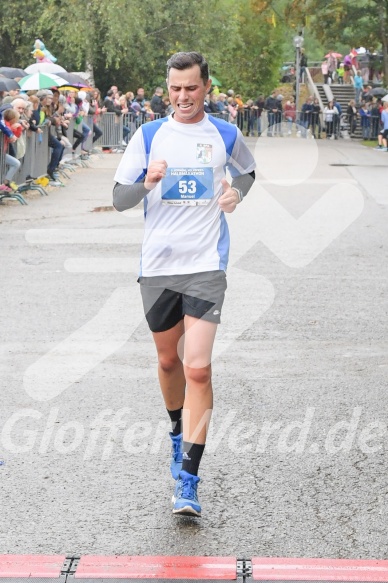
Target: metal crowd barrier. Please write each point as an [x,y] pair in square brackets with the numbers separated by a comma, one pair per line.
[35,161]
[117,130]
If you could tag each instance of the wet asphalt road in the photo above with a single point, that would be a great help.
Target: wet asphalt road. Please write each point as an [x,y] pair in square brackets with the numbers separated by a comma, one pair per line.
[297,458]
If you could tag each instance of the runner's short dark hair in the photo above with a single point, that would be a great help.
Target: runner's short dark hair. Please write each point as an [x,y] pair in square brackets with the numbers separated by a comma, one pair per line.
[183,61]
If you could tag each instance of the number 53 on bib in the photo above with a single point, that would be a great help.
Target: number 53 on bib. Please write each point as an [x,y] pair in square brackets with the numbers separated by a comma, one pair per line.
[188,186]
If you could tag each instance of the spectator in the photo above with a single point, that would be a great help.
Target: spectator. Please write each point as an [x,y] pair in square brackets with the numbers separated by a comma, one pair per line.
[290,114]
[128,118]
[95,111]
[239,104]
[169,107]
[341,74]
[44,114]
[157,104]
[85,106]
[347,69]
[19,105]
[316,119]
[332,66]
[112,108]
[249,118]
[70,106]
[351,113]
[365,118]
[221,107]
[383,134]
[232,111]
[60,125]
[376,109]
[11,119]
[212,103]
[272,107]
[366,94]
[10,138]
[303,65]
[56,95]
[305,116]
[325,71]
[140,96]
[113,93]
[358,85]
[78,120]
[149,115]
[130,98]
[110,105]
[329,113]
[337,118]
[34,100]
[258,108]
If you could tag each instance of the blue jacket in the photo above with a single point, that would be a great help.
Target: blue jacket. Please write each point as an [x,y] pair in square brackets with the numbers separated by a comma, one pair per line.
[365,118]
[358,82]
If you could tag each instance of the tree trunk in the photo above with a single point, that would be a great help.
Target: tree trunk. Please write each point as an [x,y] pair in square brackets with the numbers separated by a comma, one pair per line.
[90,72]
[383,18]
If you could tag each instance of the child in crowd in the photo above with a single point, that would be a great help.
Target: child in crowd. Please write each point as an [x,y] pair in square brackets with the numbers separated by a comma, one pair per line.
[169,108]
[4,129]
[11,119]
[149,114]
[340,74]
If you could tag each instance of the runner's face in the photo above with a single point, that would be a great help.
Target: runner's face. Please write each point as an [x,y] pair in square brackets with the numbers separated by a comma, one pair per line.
[187,93]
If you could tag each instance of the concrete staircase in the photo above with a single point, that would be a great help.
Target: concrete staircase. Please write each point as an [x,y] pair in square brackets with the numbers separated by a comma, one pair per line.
[343,94]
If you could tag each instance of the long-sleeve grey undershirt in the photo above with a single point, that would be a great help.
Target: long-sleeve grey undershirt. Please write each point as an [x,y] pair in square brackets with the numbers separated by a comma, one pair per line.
[127,196]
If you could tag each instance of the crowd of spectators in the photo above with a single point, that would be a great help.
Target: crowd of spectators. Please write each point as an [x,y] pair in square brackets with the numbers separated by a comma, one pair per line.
[32,111]
[21,113]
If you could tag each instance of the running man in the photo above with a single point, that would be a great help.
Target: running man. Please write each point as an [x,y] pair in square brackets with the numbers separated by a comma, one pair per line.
[177,166]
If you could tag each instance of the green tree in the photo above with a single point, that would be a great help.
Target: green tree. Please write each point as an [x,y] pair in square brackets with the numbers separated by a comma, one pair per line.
[253,64]
[17,31]
[364,22]
[128,42]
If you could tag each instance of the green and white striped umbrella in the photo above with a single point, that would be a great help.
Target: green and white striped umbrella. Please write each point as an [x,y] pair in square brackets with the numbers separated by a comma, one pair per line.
[37,81]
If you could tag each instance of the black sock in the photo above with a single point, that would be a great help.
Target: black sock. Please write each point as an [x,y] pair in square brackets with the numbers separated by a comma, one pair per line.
[176,420]
[192,454]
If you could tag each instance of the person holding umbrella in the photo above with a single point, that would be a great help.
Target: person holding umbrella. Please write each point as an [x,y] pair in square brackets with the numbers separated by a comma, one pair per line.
[332,63]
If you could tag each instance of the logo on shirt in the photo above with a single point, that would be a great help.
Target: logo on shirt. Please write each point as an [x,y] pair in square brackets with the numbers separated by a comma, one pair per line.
[204,153]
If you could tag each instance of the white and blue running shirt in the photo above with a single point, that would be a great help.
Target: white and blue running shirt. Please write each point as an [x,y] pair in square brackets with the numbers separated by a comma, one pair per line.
[185,230]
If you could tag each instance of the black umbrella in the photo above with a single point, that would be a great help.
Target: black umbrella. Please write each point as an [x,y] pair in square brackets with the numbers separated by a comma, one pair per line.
[12,72]
[74,80]
[8,84]
[378,92]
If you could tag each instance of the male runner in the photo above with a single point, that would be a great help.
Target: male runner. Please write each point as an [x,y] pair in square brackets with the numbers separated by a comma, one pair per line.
[177,165]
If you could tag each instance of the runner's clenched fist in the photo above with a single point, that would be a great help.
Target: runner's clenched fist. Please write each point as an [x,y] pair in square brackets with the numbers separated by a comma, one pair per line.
[156,171]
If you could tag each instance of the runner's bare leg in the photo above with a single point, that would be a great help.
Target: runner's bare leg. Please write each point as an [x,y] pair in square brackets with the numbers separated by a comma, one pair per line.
[170,367]
[198,404]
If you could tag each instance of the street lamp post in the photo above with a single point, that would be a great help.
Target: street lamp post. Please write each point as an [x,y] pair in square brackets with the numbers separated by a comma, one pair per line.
[298,43]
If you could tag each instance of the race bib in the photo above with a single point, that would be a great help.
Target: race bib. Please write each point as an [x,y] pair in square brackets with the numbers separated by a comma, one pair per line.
[188,186]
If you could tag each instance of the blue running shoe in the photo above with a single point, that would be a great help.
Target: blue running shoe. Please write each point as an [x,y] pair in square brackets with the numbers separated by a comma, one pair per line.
[176,455]
[185,499]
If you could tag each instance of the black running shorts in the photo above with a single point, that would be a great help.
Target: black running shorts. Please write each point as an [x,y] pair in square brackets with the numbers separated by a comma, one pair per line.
[167,299]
